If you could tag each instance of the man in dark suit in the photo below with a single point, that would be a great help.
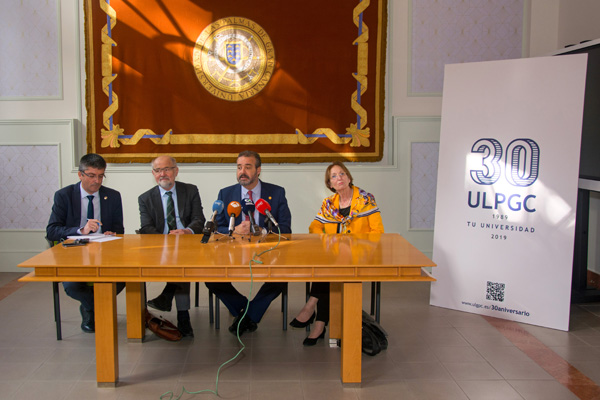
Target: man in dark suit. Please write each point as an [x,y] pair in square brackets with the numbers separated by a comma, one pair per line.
[183,216]
[249,186]
[85,208]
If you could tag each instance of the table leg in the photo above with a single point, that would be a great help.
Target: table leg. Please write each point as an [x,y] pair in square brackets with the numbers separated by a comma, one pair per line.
[107,351]
[335,310]
[136,324]
[351,333]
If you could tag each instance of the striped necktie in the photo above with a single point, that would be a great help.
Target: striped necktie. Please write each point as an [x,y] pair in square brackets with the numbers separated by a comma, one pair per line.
[171,212]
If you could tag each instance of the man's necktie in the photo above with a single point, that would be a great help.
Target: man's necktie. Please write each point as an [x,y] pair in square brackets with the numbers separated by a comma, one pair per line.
[171,212]
[250,197]
[90,214]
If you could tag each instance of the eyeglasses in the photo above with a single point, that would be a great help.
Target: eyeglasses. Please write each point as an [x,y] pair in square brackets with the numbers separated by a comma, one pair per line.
[341,175]
[161,170]
[94,176]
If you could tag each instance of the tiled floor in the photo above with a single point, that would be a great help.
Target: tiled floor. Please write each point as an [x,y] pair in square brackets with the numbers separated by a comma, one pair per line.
[433,353]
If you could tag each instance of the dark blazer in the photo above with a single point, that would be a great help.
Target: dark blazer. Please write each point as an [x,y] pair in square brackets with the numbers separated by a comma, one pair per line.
[272,194]
[189,205]
[65,218]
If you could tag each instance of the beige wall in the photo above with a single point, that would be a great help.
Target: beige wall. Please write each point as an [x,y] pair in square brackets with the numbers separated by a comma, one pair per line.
[578,21]
[544,27]
[69,107]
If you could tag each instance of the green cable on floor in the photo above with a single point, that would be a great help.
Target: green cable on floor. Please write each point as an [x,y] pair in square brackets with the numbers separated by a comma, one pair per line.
[216,391]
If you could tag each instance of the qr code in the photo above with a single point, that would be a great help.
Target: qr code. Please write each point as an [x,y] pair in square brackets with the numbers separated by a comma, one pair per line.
[495,291]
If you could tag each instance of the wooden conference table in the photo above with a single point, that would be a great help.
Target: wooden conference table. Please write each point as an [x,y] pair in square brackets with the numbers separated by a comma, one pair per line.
[344,260]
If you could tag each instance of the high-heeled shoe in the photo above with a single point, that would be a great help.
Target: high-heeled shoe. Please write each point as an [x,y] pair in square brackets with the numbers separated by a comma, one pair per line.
[312,341]
[297,324]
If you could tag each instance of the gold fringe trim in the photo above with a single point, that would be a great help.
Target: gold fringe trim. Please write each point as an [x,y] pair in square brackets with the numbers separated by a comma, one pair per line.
[360,137]
[107,71]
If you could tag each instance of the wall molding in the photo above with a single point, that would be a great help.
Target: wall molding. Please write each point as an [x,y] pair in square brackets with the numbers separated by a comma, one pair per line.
[58,56]
[410,130]
[17,245]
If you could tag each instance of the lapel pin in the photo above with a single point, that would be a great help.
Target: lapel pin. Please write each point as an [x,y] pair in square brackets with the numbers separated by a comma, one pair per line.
[105,197]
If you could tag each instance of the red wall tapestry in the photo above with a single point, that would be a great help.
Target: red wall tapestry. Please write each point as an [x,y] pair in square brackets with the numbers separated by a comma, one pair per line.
[203,80]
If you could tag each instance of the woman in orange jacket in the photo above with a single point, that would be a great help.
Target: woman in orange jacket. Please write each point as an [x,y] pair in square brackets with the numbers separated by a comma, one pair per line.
[349,210]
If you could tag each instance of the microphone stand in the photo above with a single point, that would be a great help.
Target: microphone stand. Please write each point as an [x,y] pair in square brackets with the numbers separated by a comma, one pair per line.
[221,235]
[255,229]
[269,229]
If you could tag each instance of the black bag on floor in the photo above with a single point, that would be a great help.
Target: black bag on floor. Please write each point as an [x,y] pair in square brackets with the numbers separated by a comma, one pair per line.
[374,337]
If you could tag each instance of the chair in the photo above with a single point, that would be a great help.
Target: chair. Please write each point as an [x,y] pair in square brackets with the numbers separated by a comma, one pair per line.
[56,310]
[214,314]
[211,312]
[55,295]
[376,300]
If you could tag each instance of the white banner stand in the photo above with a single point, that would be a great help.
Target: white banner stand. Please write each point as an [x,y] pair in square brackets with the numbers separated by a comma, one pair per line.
[507,188]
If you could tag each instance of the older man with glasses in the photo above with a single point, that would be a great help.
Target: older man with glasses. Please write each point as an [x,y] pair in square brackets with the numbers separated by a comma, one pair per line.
[172,208]
[84,208]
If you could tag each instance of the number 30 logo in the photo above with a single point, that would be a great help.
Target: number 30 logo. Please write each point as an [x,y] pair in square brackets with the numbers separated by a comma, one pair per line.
[521,162]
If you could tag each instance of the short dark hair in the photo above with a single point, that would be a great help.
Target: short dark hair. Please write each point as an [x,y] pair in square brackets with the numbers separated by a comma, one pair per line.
[92,160]
[250,153]
[344,168]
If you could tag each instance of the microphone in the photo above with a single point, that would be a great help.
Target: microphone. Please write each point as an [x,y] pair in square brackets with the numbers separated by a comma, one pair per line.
[248,209]
[210,226]
[265,209]
[233,210]
[217,208]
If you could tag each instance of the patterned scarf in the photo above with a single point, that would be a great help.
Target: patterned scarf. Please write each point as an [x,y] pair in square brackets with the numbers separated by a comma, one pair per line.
[365,205]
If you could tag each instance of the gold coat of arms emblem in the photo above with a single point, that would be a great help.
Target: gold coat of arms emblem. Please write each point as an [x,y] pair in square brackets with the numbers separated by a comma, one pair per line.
[234,58]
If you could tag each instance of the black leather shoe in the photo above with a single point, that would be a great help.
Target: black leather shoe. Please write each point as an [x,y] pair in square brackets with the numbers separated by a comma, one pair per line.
[233,328]
[297,324]
[87,320]
[312,342]
[160,303]
[246,325]
[251,326]
[185,327]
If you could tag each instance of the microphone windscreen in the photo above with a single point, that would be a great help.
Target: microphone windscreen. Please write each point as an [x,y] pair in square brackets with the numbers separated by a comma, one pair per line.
[234,208]
[262,206]
[248,206]
[218,206]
